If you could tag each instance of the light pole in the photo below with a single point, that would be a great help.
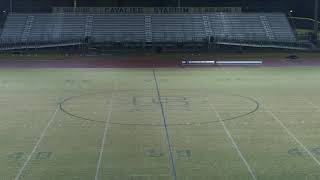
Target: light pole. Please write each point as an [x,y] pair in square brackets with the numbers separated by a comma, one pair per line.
[179,3]
[11,8]
[74,5]
[316,24]
[290,13]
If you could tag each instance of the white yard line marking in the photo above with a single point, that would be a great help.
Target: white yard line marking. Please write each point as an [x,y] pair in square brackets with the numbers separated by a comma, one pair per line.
[294,137]
[234,143]
[37,144]
[106,127]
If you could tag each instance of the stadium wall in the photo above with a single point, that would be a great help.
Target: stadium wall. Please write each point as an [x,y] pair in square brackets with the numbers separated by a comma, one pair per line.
[246,5]
[146,10]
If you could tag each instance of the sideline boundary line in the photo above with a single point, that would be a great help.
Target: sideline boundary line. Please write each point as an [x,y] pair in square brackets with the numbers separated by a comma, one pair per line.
[173,165]
[106,127]
[234,143]
[37,144]
[294,137]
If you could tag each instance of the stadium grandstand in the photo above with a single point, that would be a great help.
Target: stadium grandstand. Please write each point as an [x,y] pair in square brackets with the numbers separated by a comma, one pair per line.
[203,27]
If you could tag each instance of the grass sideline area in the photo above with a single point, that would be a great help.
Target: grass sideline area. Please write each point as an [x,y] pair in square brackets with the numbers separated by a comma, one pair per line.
[222,123]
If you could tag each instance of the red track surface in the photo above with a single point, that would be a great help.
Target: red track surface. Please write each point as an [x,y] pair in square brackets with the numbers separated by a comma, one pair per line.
[131,63]
[90,63]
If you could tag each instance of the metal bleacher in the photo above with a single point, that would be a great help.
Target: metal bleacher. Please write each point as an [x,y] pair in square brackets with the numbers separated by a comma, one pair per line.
[14,27]
[281,28]
[120,28]
[48,28]
[237,27]
[177,28]
[224,28]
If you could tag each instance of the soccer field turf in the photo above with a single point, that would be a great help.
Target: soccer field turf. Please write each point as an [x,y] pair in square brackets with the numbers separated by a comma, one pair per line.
[109,124]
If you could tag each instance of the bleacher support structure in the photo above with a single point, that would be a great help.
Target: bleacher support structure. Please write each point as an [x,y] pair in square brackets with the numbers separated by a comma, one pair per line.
[243,29]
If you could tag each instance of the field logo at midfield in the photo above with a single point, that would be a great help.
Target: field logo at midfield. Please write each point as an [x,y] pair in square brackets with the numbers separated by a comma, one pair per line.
[144,103]
[181,153]
[131,101]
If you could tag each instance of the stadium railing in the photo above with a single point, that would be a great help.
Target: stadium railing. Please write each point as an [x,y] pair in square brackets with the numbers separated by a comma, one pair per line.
[272,44]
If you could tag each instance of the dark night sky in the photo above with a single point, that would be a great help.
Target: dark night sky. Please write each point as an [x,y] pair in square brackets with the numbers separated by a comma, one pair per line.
[300,7]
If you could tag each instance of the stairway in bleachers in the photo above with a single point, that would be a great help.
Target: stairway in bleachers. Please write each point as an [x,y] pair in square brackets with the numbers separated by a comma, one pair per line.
[27,29]
[207,26]
[88,26]
[148,28]
[267,28]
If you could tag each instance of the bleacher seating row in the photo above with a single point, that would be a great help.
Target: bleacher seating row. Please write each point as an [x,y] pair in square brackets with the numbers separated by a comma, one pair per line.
[256,27]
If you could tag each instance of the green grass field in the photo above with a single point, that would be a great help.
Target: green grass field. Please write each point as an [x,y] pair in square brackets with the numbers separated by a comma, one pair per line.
[211,124]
